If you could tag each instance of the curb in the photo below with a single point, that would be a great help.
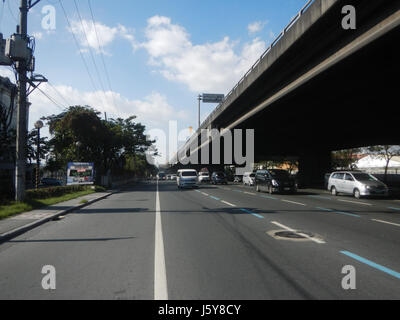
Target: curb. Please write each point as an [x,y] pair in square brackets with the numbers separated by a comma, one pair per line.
[20,230]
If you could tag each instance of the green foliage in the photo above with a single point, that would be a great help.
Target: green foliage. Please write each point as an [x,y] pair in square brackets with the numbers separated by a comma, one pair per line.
[79,134]
[99,189]
[51,192]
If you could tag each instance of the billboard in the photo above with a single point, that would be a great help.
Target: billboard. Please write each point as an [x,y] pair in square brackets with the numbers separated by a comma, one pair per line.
[80,173]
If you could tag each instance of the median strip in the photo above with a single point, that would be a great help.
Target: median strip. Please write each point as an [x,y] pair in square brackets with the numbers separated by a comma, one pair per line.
[372,264]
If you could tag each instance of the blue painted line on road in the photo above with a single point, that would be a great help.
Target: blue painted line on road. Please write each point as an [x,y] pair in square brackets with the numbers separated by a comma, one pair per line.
[215,198]
[319,197]
[267,197]
[252,213]
[237,190]
[340,212]
[197,190]
[372,264]
[393,208]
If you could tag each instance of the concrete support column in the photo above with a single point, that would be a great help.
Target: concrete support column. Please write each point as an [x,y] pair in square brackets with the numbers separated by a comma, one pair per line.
[312,168]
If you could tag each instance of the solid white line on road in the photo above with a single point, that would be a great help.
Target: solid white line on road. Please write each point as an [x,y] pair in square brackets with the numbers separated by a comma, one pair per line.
[387,222]
[229,204]
[299,233]
[363,203]
[302,204]
[206,194]
[160,275]
[253,194]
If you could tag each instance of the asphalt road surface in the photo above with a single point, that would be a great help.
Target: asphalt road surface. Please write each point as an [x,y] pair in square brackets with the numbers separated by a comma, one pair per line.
[153,241]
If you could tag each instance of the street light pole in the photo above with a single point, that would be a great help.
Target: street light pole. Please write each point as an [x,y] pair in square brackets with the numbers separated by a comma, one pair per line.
[38,126]
[199,98]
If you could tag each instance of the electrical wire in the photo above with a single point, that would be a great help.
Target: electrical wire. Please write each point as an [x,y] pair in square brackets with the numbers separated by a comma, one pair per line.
[12,14]
[102,55]
[2,14]
[78,46]
[59,94]
[51,99]
[90,51]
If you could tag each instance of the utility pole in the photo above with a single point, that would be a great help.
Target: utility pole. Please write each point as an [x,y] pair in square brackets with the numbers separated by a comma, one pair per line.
[20,171]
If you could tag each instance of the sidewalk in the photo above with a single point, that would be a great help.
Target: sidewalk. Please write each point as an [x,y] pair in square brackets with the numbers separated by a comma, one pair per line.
[20,223]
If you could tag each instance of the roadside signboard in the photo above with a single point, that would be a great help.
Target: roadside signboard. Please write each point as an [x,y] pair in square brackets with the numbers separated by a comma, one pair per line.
[212,98]
[80,173]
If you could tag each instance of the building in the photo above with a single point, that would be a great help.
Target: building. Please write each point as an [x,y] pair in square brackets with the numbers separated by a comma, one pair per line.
[376,164]
[8,127]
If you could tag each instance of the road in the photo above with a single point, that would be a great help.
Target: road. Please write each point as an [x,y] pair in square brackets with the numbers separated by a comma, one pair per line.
[153,241]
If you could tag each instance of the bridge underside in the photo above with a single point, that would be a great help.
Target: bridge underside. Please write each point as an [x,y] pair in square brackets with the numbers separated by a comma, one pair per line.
[353,103]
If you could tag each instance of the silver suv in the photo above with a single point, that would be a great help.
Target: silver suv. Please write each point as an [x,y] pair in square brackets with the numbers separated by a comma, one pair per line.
[356,183]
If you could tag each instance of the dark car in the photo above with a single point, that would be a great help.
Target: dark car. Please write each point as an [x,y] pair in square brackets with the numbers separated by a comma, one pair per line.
[51,182]
[275,180]
[218,177]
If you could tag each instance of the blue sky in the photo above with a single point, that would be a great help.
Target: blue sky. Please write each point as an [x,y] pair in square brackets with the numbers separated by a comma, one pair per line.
[159,54]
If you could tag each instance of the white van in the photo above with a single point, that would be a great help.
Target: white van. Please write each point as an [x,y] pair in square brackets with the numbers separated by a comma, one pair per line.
[249,178]
[187,178]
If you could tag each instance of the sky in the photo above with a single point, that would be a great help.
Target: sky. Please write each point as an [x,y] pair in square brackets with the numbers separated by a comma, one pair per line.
[145,58]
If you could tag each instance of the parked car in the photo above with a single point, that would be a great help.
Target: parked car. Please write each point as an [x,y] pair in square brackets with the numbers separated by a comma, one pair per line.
[204,177]
[275,180]
[51,182]
[249,178]
[218,177]
[358,184]
[238,179]
[187,178]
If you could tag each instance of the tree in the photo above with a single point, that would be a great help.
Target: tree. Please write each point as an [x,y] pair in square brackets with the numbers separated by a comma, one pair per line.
[385,151]
[343,159]
[79,134]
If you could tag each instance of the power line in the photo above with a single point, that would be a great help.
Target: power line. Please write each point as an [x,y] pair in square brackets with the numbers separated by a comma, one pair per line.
[59,94]
[2,14]
[78,46]
[90,51]
[102,55]
[12,14]
[51,99]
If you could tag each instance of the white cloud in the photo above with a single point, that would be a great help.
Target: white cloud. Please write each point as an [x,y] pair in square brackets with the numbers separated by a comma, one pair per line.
[38,35]
[256,26]
[153,109]
[105,34]
[6,72]
[215,66]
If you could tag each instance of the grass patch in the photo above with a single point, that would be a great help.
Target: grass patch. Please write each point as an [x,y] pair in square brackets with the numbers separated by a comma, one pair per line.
[83,201]
[14,208]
